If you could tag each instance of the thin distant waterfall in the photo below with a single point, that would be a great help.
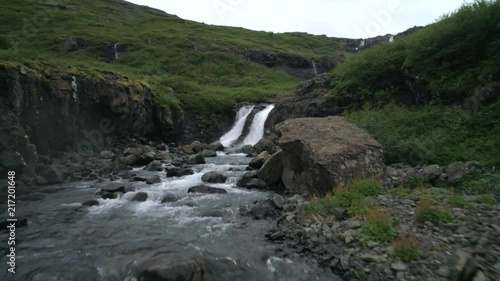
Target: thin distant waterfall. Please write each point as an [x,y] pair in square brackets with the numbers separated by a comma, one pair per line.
[314,67]
[116,50]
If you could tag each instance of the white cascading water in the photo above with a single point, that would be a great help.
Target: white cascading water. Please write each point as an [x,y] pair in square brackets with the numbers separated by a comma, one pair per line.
[230,137]
[116,51]
[314,67]
[391,39]
[257,128]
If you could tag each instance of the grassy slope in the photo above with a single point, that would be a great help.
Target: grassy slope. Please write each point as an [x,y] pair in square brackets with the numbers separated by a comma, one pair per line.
[440,116]
[161,49]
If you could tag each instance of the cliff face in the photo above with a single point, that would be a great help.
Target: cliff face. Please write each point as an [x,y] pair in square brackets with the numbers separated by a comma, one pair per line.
[59,111]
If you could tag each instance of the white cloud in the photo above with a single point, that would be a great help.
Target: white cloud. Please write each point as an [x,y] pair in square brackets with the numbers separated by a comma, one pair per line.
[338,18]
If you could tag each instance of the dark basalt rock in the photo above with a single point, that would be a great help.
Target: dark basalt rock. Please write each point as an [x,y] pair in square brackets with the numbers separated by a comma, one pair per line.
[206,189]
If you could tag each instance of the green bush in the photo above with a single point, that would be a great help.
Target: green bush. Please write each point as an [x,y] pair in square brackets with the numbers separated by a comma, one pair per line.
[378,226]
[437,215]
[406,248]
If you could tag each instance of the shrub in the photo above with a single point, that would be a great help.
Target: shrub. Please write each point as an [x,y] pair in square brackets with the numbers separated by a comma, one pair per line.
[487,199]
[406,248]
[458,201]
[378,226]
[426,211]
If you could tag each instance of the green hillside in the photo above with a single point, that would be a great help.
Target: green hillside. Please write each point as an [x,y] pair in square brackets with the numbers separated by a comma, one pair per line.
[203,64]
[431,96]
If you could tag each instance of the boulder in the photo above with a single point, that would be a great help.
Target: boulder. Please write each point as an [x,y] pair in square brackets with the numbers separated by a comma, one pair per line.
[432,172]
[264,145]
[146,158]
[140,197]
[196,159]
[154,166]
[245,179]
[139,178]
[256,183]
[214,177]
[321,153]
[188,149]
[52,174]
[108,195]
[129,160]
[178,172]
[12,160]
[164,155]
[247,149]
[264,209]
[136,151]
[114,187]
[90,203]
[169,198]
[209,153]
[272,170]
[206,189]
[463,266]
[458,170]
[216,146]
[106,154]
[154,179]
[198,146]
[173,268]
[259,160]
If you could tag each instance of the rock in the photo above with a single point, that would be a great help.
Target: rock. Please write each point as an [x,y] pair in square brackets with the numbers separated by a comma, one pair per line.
[272,169]
[214,177]
[169,198]
[139,178]
[399,266]
[458,170]
[188,149]
[264,145]
[432,172]
[372,258]
[140,197]
[106,154]
[165,156]
[129,160]
[11,160]
[256,184]
[153,180]
[353,224]
[178,172]
[279,201]
[247,149]
[90,203]
[216,146]
[198,146]
[108,195]
[173,268]
[206,189]
[136,151]
[196,159]
[245,179]
[154,166]
[259,160]
[114,187]
[52,174]
[209,153]
[479,276]
[320,153]
[146,158]
[264,209]
[463,267]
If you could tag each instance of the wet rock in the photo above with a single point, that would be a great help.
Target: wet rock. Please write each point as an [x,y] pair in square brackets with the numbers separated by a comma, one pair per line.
[164,156]
[106,154]
[247,149]
[323,152]
[216,146]
[272,169]
[139,178]
[198,146]
[114,187]
[256,184]
[196,159]
[154,166]
[52,174]
[140,197]
[169,198]
[173,268]
[214,177]
[108,195]
[90,203]
[154,179]
[178,172]
[129,160]
[188,149]
[264,144]
[245,179]
[206,189]
[209,153]
[264,209]
[279,201]
[146,158]
[259,160]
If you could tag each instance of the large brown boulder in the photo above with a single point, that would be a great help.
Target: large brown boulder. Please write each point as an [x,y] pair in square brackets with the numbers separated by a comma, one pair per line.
[321,153]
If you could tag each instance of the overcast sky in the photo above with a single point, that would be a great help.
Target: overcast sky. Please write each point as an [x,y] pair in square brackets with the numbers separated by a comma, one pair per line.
[337,18]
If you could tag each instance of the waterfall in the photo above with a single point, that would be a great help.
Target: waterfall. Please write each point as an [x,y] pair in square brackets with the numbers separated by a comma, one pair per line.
[116,51]
[314,67]
[391,39]
[257,128]
[361,44]
[230,137]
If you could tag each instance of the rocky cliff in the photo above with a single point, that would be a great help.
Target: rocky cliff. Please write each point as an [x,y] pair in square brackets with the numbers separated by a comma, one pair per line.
[49,111]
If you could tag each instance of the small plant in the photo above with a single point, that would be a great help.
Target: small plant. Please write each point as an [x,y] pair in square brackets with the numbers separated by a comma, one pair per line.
[487,199]
[426,211]
[378,226]
[359,208]
[458,201]
[366,187]
[400,192]
[407,248]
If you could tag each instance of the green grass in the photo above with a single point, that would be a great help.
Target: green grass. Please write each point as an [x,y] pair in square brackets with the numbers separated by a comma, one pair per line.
[378,226]
[203,64]
[458,201]
[406,248]
[428,211]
